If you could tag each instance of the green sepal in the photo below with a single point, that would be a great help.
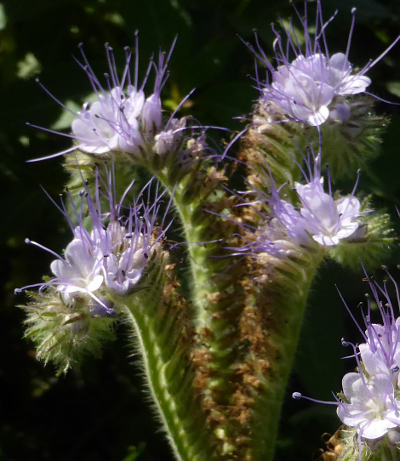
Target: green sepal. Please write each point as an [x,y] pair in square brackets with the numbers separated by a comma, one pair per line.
[373,242]
[350,145]
[65,334]
[344,445]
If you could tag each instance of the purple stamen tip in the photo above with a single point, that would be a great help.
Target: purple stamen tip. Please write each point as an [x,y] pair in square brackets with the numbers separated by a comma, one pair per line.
[297,395]
[27,241]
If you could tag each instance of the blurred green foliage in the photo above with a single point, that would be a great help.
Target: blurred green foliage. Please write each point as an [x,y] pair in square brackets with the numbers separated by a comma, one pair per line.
[100,412]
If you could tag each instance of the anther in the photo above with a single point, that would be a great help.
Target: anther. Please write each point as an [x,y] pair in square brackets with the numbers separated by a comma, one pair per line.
[344,342]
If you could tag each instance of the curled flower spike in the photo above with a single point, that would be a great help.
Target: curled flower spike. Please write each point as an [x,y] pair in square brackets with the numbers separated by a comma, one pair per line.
[309,84]
[113,254]
[122,119]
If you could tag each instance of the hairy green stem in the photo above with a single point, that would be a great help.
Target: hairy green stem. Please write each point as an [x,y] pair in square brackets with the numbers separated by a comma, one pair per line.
[214,289]
[163,342]
[289,294]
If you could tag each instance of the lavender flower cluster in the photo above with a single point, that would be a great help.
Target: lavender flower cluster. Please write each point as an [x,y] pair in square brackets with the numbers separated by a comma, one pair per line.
[370,400]
[110,248]
[321,219]
[310,85]
[122,119]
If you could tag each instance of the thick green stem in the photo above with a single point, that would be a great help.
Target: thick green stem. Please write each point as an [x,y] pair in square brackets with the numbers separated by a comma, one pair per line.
[195,223]
[163,342]
[286,307]
[215,289]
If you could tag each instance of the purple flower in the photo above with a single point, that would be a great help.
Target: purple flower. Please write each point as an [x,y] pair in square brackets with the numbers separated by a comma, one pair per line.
[113,254]
[320,218]
[309,84]
[381,351]
[370,401]
[371,404]
[122,118]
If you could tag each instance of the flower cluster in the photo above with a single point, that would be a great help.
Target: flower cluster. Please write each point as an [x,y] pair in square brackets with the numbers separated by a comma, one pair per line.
[309,84]
[370,401]
[319,219]
[112,255]
[122,119]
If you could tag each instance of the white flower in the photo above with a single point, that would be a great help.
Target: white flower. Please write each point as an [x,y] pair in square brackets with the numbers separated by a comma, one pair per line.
[80,271]
[372,406]
[305,88]
[309,81]
[320,218]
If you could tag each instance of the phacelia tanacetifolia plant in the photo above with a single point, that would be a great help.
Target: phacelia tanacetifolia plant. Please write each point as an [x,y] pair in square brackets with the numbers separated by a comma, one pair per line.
[217,341]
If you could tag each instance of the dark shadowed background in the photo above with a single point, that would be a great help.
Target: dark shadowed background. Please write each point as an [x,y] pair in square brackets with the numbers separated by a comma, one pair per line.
[100,412]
